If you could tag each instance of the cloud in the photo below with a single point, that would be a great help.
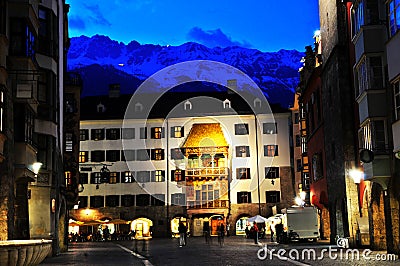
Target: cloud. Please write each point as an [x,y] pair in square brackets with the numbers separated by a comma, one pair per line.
[96,16]
[214,38]
[77,23]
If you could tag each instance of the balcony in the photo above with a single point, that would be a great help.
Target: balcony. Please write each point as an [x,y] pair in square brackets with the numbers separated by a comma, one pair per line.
[393,56]
[215,204]
[370,39]
[207,172]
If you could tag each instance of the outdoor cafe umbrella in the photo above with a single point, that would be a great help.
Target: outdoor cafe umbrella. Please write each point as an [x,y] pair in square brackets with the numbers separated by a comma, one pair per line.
[258,219]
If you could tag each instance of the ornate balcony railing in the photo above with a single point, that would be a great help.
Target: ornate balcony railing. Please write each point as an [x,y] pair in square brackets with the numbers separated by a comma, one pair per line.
[213,204]
[207,171]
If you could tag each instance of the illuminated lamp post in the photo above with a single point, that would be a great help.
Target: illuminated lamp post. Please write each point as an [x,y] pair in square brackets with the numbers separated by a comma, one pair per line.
[357,176]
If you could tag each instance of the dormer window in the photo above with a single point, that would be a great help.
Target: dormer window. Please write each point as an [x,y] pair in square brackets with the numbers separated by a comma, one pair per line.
[138,107]
[227,104]
[187,105]
[101,108]
[257,103]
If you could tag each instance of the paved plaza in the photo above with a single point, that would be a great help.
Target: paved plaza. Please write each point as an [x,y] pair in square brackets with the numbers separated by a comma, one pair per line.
[235,251]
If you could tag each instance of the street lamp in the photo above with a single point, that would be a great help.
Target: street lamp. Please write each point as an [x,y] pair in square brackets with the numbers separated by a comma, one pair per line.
[36,167]
[357,176]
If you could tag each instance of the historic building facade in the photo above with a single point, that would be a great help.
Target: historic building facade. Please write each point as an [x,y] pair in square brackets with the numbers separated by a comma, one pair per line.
[220,166]
[34,41]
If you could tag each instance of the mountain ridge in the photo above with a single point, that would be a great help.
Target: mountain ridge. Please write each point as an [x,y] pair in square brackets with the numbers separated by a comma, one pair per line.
[102,61]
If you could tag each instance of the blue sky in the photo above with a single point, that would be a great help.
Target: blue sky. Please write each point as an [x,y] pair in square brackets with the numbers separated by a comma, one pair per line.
[267,25]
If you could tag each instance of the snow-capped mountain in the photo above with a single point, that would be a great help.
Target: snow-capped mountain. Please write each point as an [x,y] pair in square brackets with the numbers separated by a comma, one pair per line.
[102,61]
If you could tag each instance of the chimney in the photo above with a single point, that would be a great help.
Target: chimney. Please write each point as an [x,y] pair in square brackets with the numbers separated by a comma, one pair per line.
[114,90]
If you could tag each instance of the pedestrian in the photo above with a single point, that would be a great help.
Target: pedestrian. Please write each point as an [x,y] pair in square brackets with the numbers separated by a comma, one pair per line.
[255,227]
[271,229]
[206,231]
[182,234]
[279,232]
[106,233]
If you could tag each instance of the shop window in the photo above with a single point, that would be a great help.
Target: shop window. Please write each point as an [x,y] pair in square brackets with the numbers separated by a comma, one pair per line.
[243,173]
[243,197]
[241,129]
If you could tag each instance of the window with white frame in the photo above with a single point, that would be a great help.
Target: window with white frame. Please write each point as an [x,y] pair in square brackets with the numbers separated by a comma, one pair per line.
[394,16]
[177,132]
[243,173]
[242,151]
[271,172]
[241,129]
[158,176]
[396,88]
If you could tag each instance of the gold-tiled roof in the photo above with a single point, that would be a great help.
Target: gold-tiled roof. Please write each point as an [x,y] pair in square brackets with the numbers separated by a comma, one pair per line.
[205,135]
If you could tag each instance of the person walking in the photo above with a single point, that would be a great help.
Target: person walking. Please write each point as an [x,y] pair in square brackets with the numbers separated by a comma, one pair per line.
[279,232]
[271,229]
[182,234]
[221,234]
[255,228]
[206,232]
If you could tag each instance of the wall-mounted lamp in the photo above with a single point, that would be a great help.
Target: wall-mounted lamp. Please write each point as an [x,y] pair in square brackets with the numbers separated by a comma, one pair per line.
[36,168]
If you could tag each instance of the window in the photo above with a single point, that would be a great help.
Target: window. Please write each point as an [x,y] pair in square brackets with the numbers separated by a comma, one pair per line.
[84,134]
[143,176]
[98,156]
[178,199]
[112,133]
[372,136]
[22,38]
[68,142]
[299,165]
[114,177]
[242,151]
[241,129]
[143,155]
[357,17]
[158,200]
[157,132]
[98,134]
[317,167]
[128,133]
[298,141]
[396,88]
[271,172]
[129,155]
[178,175]
[83,178]
[68,178]
[95,178]
[270,150]
[82,202]
[127,200]
[272,196]
[127,177]
[269,128]
[1,102]
[157,154]
[142,200]
[394,16]
[24,132]
[226,104]
[176,154]
[113,155]
[112,201]
[243,173]
[177,132]
[143,133]
[187,105]
[96,201]
[158,176]
[83,156]
[70,103]
[369,74]
[48,33]
[243,197]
